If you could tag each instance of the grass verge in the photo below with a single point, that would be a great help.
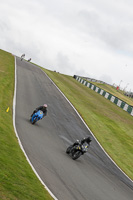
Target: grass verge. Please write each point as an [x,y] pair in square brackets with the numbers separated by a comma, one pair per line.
[17,180]
[112,126]
[113,91]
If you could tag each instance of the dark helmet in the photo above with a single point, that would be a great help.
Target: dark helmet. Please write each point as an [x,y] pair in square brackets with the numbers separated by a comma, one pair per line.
[88,139]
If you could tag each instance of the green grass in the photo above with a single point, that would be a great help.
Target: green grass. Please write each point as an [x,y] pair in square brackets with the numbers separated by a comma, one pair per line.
[112,126]
[17,180]
[113,91]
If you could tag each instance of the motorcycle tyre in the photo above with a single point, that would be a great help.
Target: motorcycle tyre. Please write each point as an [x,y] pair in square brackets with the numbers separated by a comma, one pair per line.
[34,121]
[76,155]
[68,150]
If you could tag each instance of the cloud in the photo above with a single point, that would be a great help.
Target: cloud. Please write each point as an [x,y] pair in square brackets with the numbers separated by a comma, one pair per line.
[106,78]
[63,63]
[111,23]
[93,38]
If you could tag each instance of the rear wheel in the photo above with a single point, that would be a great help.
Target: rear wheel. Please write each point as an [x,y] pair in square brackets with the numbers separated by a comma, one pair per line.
[76,155]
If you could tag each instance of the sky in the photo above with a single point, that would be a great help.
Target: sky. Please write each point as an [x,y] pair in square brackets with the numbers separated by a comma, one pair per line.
[88,38]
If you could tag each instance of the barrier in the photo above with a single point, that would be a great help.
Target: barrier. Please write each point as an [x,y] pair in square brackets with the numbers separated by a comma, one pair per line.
[107,95]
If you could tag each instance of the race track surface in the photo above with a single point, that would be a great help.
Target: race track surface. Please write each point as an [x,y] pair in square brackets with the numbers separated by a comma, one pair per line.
[93,176]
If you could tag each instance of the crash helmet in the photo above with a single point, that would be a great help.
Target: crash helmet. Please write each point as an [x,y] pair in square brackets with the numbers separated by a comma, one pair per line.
[45,105]
[88,139]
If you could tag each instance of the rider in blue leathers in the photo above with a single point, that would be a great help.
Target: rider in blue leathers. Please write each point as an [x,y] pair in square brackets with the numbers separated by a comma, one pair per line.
[42,108]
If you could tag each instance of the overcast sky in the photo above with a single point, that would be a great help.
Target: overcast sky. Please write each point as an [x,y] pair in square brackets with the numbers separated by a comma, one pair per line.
[92,38]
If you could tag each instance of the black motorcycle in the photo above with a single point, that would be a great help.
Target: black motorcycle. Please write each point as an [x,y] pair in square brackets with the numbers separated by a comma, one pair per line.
[77,150]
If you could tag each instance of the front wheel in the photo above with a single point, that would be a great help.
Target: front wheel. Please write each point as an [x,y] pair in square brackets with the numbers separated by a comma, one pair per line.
[68,150]
[34,120]
[76,155]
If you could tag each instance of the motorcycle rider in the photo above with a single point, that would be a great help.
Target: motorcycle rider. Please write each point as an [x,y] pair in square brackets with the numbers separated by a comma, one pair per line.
[29,60]
[22,57]
[85,140]
[42,108]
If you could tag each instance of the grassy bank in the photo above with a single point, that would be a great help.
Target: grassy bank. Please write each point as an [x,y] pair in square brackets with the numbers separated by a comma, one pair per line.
[112,126]
[17,180]
[112,90]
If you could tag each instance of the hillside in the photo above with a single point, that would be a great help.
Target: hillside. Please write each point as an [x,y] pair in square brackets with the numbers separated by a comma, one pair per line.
[112,126]
[113,91]
[17,180]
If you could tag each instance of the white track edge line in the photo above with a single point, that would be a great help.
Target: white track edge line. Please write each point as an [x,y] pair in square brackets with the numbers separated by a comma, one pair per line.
[89,129]
[14,106]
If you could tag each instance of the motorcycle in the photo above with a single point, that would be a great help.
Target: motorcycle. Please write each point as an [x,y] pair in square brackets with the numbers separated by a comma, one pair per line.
[36,117]
[29,60]
[22,57]
[77,150]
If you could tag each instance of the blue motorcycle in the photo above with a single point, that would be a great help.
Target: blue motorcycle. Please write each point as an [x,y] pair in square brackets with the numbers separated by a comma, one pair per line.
[36,116]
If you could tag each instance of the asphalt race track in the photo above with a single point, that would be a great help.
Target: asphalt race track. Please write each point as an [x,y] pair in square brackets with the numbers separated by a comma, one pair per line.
[93,176]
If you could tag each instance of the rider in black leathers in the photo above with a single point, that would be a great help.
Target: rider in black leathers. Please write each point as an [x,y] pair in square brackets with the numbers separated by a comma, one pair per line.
[87,140]
[42,108]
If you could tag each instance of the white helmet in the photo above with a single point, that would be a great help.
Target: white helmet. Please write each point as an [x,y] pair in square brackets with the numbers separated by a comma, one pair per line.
[45,105]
